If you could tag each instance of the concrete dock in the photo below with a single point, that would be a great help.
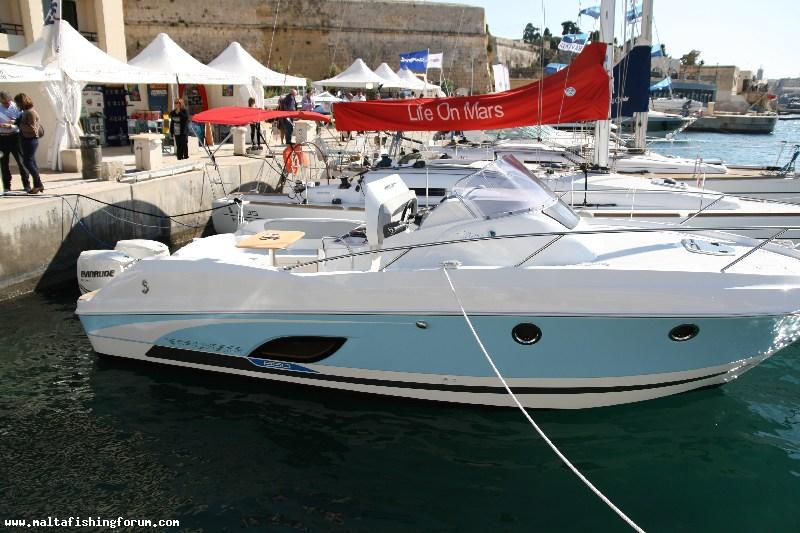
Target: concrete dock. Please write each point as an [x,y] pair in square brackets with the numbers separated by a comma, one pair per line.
[42,235]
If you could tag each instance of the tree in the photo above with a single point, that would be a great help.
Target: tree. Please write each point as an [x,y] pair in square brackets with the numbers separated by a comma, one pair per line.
[547,33]
[690,58]
[527,33]
[569,27]
[595,36]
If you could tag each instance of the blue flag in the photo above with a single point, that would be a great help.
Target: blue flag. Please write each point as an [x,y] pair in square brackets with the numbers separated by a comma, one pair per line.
[634,13]
[593,11]
[655,51]
[666,83]
[415,61]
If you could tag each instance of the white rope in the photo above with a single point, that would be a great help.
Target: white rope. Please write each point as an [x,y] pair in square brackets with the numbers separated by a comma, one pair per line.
[530,419]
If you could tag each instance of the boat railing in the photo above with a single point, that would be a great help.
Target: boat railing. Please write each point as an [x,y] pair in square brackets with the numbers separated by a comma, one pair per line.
[699,193]
[557,235]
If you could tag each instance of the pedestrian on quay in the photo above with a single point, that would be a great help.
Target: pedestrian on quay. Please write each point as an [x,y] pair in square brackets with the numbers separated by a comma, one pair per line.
[179,129]
[10,142]
[307,103]
[30,130]
[289,103]
[255,128]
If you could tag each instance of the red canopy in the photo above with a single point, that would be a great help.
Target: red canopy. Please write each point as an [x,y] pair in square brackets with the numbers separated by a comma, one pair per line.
[239,116]
[577,93]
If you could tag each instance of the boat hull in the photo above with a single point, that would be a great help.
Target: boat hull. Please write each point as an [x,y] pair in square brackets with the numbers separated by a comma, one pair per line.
[578,362]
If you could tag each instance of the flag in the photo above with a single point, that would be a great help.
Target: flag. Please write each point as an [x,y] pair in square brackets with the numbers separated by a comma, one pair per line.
[52,20]
[415,61]
[655,51]
[666,83]
[573,42]
[633,14]
[593,11]
[501,81]
[435,60]
[552,68]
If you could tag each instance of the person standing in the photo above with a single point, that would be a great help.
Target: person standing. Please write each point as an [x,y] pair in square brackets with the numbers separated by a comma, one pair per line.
[179,129]
[308,101]
[255,128]
[289,104]
[30,130]
[10,143]
[360,97]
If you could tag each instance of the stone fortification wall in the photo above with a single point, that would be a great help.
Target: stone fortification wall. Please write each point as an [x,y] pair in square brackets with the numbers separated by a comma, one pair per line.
[515,53]
[312,35]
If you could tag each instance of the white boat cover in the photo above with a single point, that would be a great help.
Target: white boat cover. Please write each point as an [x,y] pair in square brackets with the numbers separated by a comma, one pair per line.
[393,81]
[357,76]
[164,55]
[236,60]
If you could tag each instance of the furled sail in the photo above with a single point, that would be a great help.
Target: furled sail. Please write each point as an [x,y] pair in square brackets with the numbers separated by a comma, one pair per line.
[632,83]
[579,92]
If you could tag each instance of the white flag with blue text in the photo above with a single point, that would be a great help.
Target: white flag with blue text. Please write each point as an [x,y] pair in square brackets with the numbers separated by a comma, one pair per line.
[52,22]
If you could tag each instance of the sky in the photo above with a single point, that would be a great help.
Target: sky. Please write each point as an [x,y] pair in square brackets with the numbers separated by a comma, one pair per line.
[744,33]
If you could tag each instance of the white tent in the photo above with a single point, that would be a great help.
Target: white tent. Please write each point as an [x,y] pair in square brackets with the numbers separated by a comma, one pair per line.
[164,55]
[235,60]
[61,82]
[393,81]
[13,72]
[417,84]
[357,76]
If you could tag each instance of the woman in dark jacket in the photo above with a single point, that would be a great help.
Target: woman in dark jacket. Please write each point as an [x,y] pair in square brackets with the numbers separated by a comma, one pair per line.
[30,130]
[179,129]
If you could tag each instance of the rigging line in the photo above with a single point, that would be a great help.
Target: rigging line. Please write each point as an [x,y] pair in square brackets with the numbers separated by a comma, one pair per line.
[541,62]
[274,26]
[530,419]
[339,33]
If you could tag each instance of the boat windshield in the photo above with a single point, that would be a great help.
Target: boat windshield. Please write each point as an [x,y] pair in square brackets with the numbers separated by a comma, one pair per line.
[505,187]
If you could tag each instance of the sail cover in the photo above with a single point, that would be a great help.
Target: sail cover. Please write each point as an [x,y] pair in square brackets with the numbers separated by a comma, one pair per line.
[577,93]
[239,116]
[632,83]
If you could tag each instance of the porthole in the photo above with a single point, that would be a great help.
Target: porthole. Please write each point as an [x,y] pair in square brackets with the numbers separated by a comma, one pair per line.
[684,332]
[526,333]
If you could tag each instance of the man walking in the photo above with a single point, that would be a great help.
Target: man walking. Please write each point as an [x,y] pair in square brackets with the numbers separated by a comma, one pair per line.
[10,143]
[289,104]
[179,129]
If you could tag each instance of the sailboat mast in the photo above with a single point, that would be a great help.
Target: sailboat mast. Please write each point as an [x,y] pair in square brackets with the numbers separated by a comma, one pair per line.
[603,127]
[645,38]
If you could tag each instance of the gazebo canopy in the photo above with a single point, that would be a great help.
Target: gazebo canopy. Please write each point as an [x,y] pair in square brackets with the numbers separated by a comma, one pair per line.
[164,55]
[13,72]
[393,81]
[357,76]
[417,84]
[80,60]
[236,60]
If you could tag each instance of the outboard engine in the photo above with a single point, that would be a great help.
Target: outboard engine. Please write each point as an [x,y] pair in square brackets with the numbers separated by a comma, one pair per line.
[97,267]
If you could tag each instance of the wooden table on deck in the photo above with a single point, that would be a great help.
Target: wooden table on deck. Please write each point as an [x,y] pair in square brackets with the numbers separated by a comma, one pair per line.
[271,240]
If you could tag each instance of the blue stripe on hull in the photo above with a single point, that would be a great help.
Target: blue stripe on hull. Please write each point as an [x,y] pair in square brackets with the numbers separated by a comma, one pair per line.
[570,347]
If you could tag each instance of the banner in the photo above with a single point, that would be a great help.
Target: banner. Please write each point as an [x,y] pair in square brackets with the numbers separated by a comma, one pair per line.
[577,93]
[501,82]
[435,60]
[632,83]
[415,61]
[53,45]
[573,42]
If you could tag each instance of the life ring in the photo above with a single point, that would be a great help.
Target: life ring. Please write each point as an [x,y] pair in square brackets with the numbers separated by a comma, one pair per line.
[293,158]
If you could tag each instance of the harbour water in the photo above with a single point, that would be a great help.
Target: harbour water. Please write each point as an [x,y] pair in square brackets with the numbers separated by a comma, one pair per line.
[82,436]
[738,149]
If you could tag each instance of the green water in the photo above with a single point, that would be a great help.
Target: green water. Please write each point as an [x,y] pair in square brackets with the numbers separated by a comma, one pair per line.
[89,437]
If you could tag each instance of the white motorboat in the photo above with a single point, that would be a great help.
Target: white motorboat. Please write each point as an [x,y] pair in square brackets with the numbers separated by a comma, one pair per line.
[605,196]
[573,316]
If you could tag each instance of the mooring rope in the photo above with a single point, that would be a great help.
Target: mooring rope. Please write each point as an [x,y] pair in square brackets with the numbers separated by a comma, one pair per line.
[530,419]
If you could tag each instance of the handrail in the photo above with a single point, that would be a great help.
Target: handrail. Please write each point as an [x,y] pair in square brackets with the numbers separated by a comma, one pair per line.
[753,250]
[690,217]
[511,236]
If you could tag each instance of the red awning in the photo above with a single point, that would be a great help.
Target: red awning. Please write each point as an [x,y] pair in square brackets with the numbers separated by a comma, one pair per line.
[239,116]
[577,93]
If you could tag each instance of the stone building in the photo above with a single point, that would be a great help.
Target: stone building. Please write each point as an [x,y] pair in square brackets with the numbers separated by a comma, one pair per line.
[313,38]
[100,21]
